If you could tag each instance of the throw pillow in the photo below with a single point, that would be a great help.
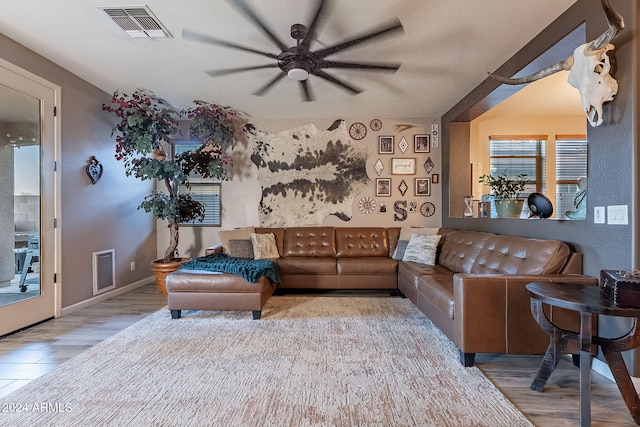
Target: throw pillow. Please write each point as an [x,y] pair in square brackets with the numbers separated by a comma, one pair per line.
[264,246]
[407,232]
[401,247]
[237,234]
[405,235]
[422,249]
[241,248]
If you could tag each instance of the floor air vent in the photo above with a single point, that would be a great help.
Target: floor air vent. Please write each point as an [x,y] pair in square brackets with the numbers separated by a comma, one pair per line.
[136,21]
[104,271]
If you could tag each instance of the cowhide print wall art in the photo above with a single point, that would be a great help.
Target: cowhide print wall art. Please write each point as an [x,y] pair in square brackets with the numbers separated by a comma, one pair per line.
[307,174]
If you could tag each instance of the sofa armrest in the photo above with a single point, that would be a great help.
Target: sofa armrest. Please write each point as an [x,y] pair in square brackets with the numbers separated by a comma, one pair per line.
[492,313]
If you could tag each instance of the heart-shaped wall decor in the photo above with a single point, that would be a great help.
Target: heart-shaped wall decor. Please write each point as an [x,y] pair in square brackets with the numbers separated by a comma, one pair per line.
[94,169]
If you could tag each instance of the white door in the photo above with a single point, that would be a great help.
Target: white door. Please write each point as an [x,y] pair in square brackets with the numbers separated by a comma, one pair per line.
[29,141]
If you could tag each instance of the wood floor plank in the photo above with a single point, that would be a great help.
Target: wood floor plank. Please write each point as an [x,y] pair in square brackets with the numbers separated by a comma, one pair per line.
[63,338]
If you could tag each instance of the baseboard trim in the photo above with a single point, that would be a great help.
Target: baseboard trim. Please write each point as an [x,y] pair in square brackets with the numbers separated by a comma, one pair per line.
[105,296]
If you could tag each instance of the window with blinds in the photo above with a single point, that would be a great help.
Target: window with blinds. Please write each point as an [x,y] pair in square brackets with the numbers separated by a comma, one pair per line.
[204,190]
[519,154]
[571,166]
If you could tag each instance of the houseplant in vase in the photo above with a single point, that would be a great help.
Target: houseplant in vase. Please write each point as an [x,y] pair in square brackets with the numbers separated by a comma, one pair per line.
[506,190]
[146,124]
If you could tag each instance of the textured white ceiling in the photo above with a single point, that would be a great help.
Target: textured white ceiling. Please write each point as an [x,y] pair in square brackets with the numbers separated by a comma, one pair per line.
[446,50]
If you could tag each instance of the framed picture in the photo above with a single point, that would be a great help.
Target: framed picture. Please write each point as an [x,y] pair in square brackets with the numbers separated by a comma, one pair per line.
[402,166]
[435,178]
[421,143]
[423,186]
[385,145]
[383,187]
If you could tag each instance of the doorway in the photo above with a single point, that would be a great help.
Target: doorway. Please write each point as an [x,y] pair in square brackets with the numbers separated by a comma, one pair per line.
[28,182]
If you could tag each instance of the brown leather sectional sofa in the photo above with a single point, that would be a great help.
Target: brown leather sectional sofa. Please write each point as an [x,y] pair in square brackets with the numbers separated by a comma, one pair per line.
[475,293]
[336,257]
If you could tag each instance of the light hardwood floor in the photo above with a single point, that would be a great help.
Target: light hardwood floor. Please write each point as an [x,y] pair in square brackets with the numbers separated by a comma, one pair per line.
[27,355]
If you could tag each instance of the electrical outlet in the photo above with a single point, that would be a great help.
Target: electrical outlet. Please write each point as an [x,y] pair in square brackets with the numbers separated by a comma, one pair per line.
[133,265]
[598,215]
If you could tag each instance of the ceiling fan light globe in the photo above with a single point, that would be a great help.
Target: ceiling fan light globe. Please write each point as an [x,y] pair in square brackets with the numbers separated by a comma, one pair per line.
[298,74]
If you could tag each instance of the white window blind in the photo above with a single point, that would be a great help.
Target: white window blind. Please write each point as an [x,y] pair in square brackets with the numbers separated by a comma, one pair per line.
[517,155]
[204,190]
[207,193]
[571,166]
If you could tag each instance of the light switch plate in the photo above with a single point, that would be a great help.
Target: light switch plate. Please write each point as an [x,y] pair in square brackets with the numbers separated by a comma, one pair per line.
[617,214]
[598,215]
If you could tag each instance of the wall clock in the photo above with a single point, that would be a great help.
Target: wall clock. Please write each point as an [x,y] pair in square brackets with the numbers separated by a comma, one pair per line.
[427,209]
[357,130]
[375,124]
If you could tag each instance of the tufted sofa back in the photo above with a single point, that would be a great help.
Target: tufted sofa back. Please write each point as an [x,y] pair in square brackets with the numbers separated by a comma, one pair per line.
[309,242]
[520,255]
[460,248]
[486,253]
[362,241]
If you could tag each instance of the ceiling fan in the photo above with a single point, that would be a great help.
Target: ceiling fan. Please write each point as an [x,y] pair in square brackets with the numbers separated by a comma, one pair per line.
[299,62]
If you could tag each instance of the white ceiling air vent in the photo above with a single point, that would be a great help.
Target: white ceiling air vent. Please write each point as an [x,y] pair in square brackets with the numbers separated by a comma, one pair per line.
[136,21]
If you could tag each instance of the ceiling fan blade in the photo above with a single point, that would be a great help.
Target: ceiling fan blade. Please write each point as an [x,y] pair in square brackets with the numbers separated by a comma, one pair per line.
[218,73]
[386,30]
[337,82]
[311,29]
[306,90]
[379,66]
[269,84]
[192,35]
[244,7]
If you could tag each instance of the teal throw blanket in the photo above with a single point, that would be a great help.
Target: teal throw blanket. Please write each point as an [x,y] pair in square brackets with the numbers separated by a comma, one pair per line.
[249,269]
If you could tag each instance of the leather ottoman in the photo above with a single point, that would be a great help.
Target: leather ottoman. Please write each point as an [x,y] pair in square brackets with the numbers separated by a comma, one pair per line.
[205,290]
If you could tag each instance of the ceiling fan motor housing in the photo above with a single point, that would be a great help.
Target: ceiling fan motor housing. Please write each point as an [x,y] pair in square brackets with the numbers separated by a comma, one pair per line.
[296,58]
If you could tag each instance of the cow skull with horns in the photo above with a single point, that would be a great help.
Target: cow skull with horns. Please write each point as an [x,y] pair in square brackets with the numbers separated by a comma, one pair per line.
[588,69]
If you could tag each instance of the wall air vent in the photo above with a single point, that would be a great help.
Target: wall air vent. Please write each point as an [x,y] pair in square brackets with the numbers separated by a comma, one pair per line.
[104,271]
[136,21]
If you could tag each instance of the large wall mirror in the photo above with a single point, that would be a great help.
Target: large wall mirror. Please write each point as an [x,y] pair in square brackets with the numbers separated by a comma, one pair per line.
[537,129]
[20,220]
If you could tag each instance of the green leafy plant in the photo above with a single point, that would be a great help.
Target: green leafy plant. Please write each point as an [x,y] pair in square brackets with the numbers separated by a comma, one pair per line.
[504,186]
[146,124]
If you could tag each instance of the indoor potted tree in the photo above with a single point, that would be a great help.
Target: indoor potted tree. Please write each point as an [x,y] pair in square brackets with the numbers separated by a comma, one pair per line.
[506,190]
[146,124]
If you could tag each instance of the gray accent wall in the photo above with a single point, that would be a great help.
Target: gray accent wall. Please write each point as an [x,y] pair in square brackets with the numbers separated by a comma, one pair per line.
[613,153]
[93,217]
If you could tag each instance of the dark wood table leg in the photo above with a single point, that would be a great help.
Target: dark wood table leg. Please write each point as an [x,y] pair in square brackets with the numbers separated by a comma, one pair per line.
[586,335]
[550,361]
[557,345]
[623,380]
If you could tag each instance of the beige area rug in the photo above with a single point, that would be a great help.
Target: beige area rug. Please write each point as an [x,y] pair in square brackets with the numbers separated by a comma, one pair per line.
[310,361]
